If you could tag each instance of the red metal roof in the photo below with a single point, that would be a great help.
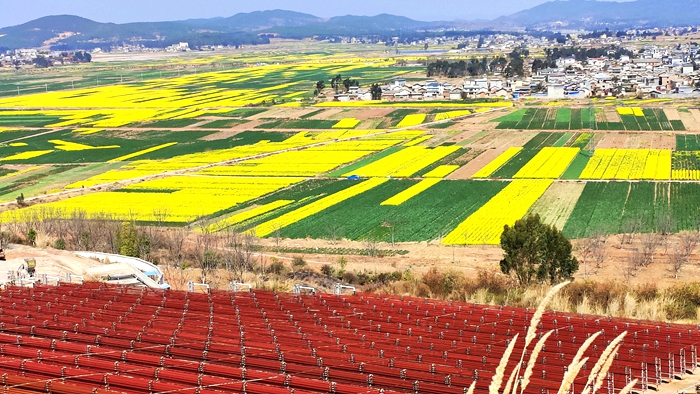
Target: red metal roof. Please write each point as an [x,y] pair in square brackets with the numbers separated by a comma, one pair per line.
[99,338]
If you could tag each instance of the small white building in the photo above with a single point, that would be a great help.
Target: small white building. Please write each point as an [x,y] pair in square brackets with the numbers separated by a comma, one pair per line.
[555,91]
[687,68]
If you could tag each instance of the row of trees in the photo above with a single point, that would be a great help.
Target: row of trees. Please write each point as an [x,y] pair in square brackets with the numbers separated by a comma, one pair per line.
[338,83]
[511,65]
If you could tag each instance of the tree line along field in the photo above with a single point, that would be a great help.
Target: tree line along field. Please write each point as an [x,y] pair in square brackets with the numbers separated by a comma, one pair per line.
[297,169]
[595,118]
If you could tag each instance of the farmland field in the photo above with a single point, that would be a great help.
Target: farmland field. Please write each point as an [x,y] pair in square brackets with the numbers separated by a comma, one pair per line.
[627,118]
[251,148]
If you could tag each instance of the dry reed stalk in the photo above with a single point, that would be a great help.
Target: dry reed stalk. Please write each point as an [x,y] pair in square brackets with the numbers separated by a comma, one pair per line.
[570,376]
[533,360]
[540,311]
[498,376]
[471,388]
[585,347]
[575,365]
[629,387]
[515,373]
[532,329]
[592,378]
[604,362]
[604,370]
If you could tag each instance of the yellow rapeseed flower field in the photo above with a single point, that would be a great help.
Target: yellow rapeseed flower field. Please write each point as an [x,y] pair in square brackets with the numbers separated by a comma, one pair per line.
[411,192]
[411,120]
[548,163]
[441,171]
[405,162]
[485,226]
[497,163]
[347,123]
[629,164]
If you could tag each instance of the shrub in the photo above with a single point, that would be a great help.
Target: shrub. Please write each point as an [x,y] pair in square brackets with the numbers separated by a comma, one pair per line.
[298,263]
[60,244]
[350,278]
[276,267]
[31,236]
[327,270]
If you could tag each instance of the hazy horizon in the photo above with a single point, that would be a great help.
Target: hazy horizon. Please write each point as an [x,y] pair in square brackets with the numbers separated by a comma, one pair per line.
[160,10]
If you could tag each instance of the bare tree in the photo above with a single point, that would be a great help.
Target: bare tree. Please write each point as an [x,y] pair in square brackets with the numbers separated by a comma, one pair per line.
[371,246]
[634,258]
[630,227]
[650,242]
[688,243]
[665,224]
[676,260]
[277,232]
[206,257]
[585,249]
[599,253]
[334,232]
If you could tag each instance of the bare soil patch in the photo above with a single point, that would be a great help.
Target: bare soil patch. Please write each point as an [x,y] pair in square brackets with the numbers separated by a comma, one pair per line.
[611,114]
[469,169]
[370,113]
[327,114]
[612,140]
[691,120]
[664,141]
[672,113]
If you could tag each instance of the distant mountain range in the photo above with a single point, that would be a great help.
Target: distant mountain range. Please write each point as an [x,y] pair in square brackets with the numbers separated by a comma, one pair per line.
[73,32]
[600,14]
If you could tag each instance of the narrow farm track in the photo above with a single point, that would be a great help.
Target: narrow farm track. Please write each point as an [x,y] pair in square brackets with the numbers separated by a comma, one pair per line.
[112,185]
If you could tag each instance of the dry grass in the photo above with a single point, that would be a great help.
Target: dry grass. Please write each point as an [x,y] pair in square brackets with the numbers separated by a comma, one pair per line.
[595,379]
[678,304]
[497,379]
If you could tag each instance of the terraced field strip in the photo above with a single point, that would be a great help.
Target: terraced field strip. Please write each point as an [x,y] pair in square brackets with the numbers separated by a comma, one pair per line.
[549,163]
[404,163]
[625,118]
[611,207]
[686,165]
[557,203]
[411,192]
[427,216]
[315,207]
[485,226]
[247,215]
[632,164]
[497,163]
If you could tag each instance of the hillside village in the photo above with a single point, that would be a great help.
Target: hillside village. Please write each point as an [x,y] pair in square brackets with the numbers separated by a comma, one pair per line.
[656,72]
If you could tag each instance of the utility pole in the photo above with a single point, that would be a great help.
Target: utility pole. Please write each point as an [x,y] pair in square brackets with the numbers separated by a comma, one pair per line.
[72,85]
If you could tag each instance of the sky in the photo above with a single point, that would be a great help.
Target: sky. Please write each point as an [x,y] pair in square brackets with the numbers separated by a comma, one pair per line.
[15,12]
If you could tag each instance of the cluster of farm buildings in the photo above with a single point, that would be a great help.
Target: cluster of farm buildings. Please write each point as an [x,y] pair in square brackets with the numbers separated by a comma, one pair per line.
[656,72]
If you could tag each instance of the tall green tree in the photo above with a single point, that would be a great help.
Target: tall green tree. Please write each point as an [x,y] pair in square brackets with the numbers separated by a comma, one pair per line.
[376,92]
[128,240]
[535,252]
[337,82]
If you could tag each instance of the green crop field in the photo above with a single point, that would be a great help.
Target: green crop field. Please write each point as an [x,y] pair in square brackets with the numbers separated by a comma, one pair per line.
[585,118]
[182,145]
